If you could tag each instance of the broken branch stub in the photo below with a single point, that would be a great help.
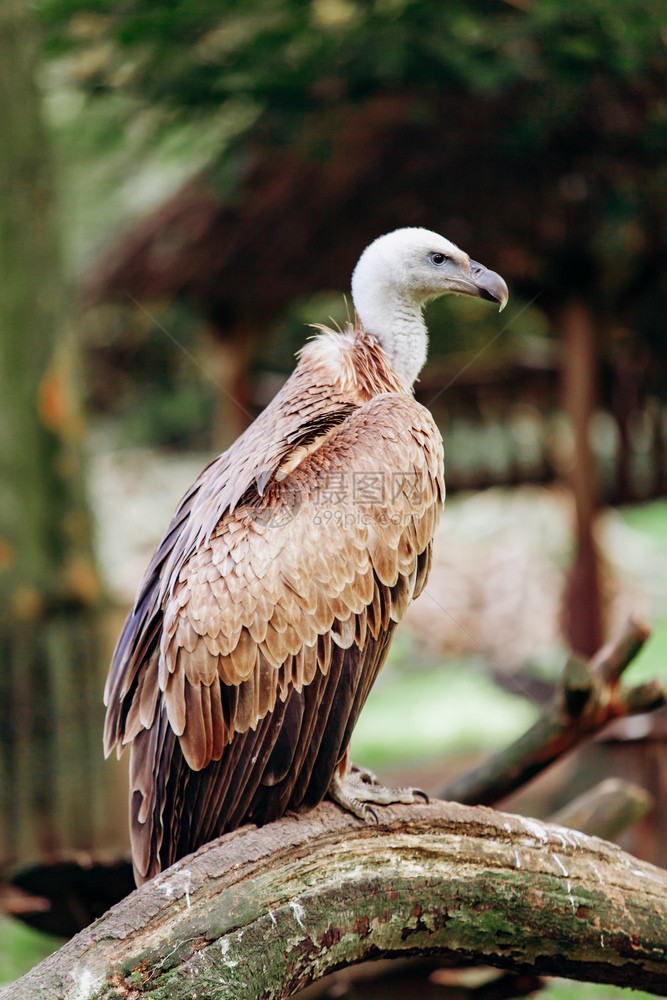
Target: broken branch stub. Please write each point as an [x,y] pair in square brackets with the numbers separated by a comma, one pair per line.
[590,695]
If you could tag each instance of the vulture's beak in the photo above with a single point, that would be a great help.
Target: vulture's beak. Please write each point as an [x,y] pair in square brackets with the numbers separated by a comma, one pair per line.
[487,285]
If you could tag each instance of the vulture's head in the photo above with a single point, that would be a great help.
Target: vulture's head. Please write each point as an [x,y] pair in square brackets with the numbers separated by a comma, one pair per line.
[417,265]
[398,274]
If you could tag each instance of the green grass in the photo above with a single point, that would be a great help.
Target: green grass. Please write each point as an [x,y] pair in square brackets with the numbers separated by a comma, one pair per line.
[648,518]
[568,989]
[652,660]
[21,947]
[427,711]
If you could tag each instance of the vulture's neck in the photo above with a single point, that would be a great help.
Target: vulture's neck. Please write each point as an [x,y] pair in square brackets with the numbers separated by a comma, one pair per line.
[398,326]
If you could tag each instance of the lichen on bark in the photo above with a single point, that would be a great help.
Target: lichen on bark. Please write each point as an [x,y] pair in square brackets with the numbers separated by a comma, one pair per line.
[262,913]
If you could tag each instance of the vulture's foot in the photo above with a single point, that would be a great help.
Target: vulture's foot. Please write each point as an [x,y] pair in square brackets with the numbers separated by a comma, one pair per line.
[359,788]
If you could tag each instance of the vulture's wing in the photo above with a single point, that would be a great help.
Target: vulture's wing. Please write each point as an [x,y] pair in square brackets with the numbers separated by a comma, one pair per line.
[304,405]
[262,650]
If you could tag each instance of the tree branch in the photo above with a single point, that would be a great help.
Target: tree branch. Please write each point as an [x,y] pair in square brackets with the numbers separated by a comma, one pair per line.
[607,809]
[262,913]
[590,696]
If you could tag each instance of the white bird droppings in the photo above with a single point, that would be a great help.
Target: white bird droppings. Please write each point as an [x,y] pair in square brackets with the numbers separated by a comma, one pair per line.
[536,829]
[179,880]
[560,865]
[86,984]
[597,873]
[299,913]
[224,948]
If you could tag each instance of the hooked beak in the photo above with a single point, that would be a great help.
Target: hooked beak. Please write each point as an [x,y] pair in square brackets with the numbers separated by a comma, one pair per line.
[487,285]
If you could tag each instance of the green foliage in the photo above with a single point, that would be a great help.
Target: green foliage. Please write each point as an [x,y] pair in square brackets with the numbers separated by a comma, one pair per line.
[147,372]
[296,55]
[457,326]
[562,160]
[162,416]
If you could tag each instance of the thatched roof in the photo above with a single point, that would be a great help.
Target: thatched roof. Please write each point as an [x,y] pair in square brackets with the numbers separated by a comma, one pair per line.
[300,215]
[295,218]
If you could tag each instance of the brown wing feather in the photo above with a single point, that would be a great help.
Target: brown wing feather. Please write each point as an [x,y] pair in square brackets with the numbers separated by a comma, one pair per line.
[267,628]
[287,556]
[306,399]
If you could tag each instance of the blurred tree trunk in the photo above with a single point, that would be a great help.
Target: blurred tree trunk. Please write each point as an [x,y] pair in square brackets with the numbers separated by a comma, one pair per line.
[50,711]
[582,616]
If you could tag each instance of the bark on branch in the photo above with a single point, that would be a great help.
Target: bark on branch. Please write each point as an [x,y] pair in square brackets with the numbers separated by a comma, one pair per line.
[262,913]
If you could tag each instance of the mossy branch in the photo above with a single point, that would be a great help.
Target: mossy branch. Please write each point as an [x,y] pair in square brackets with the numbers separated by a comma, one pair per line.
[262,913]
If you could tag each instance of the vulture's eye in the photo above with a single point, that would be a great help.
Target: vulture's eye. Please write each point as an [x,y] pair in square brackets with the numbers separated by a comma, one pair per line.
[439,258]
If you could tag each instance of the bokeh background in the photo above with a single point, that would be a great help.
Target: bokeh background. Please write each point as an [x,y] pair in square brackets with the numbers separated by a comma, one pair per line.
[187,186]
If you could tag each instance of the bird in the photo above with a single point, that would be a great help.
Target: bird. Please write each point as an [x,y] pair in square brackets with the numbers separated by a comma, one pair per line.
[270,603]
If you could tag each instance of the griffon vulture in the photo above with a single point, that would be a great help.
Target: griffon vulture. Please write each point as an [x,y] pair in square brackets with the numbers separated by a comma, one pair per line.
[270,603]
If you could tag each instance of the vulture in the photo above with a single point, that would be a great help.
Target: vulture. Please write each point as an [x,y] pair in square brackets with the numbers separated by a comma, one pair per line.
[270,603]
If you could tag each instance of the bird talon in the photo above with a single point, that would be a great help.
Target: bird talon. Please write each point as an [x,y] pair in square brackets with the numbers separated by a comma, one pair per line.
[364,775]
[356,790]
